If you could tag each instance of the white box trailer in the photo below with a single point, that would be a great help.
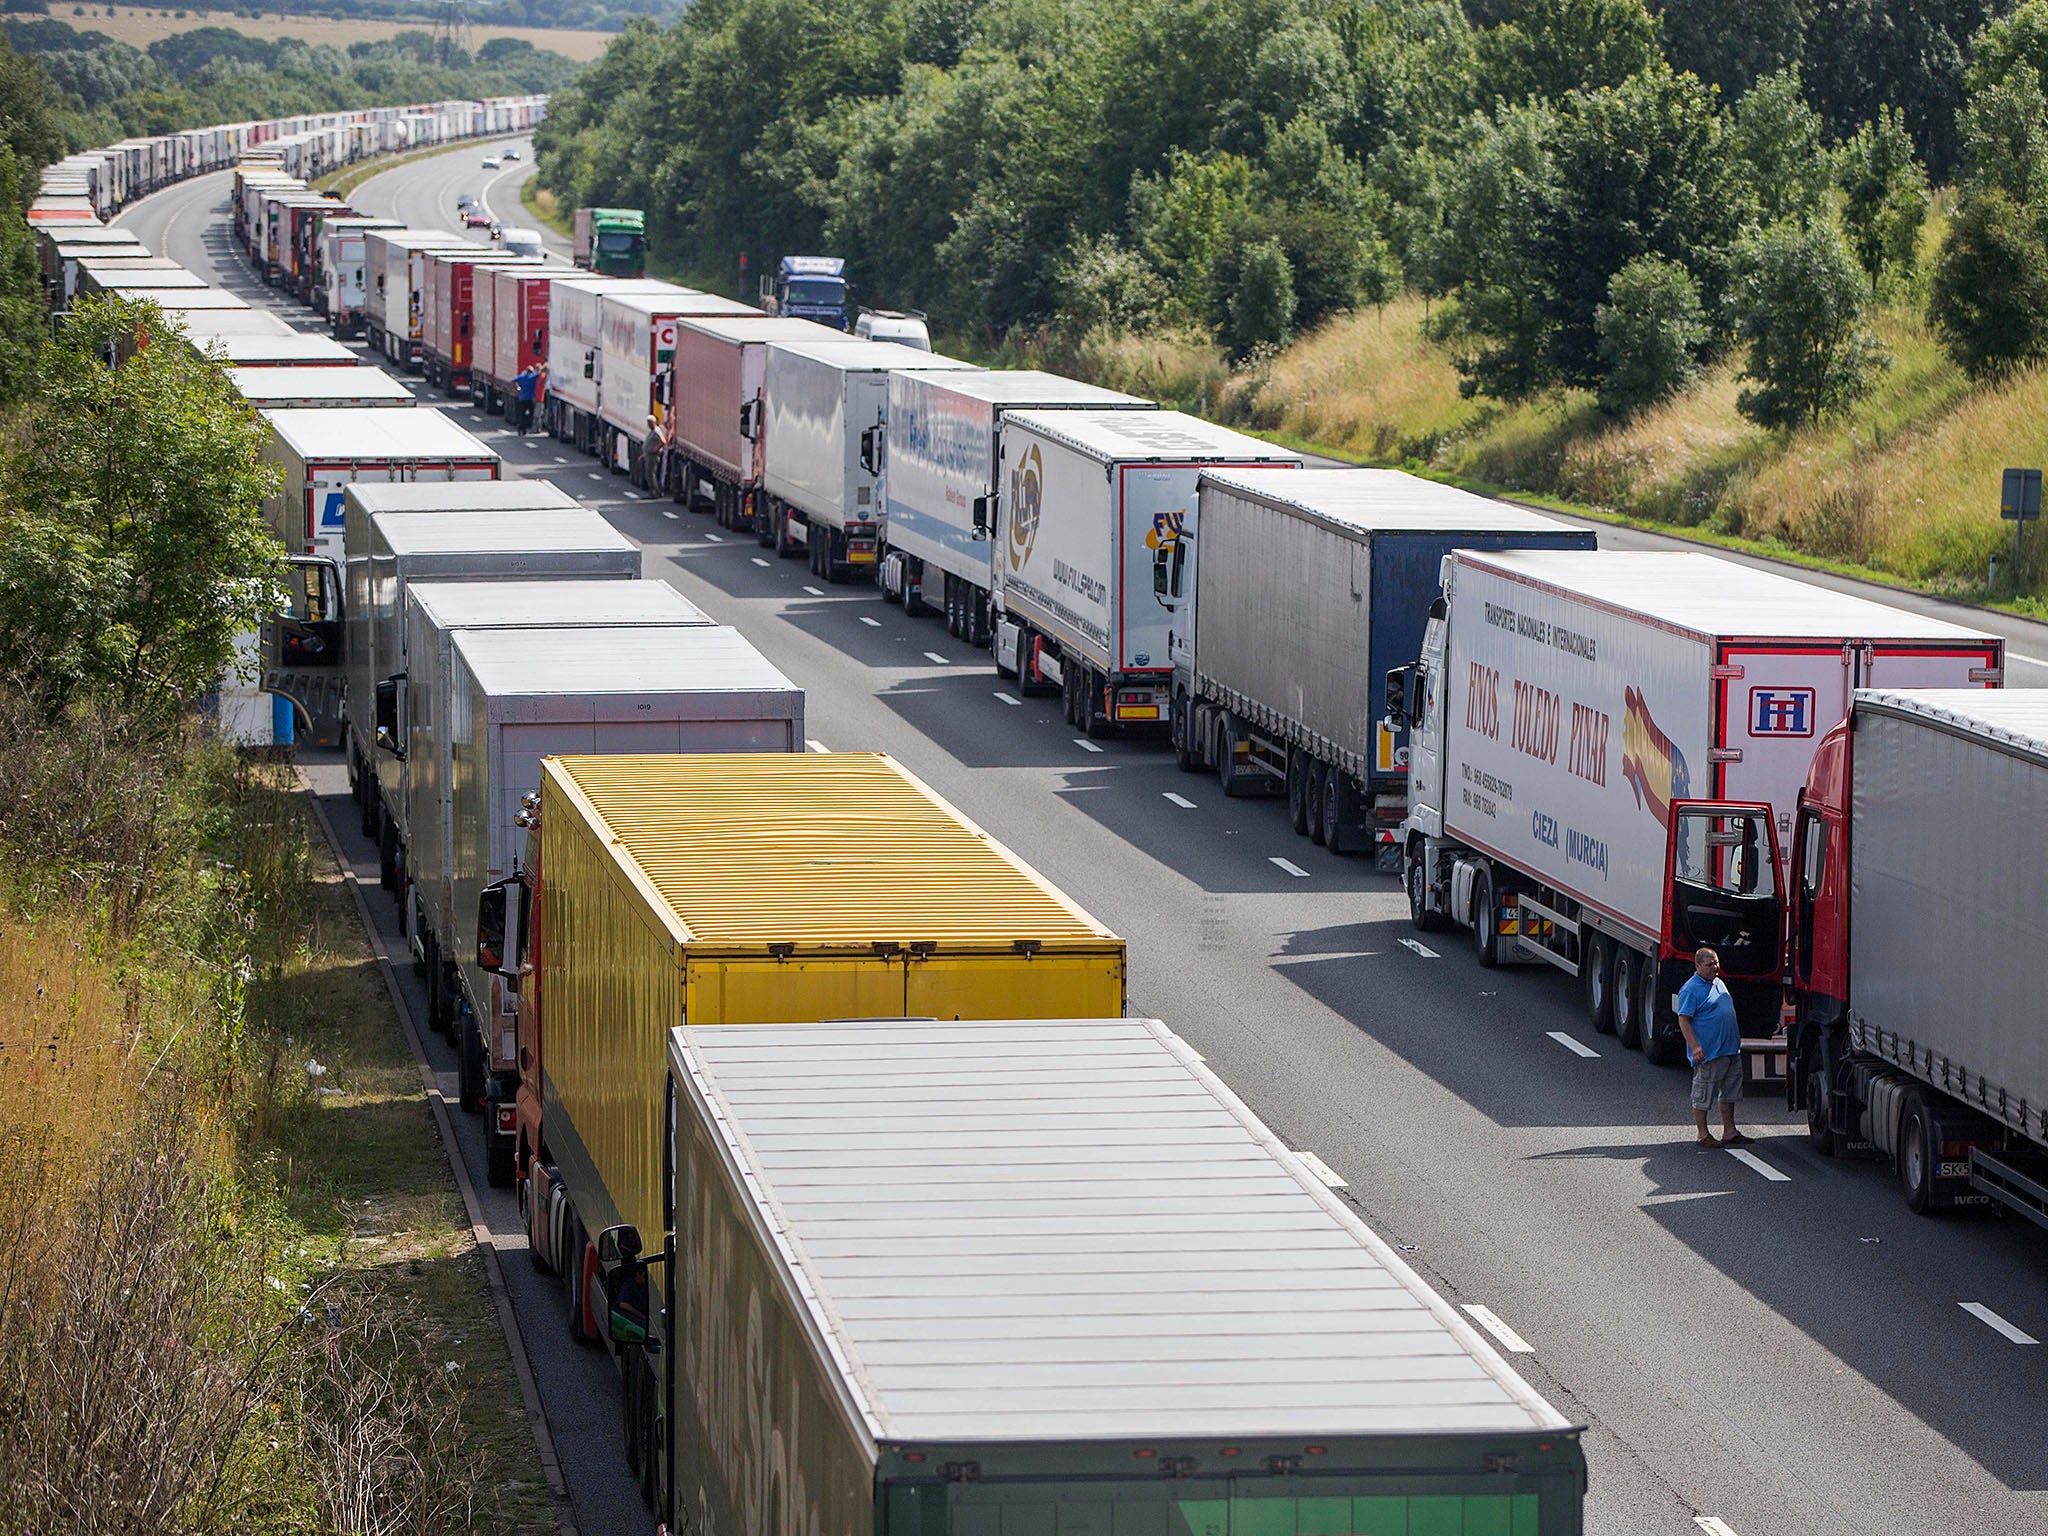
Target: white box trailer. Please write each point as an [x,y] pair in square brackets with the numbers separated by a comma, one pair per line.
[1301,591]
[1566,702]
[636,351]
[255,338]
[1917,889]
[344,290]
[1042,1276]
[396,548]
[323,452]
[941,460]
[395,266]
[63,248]
[1090,497]
[435,613]
[316,388]
[575,343]
[827,409]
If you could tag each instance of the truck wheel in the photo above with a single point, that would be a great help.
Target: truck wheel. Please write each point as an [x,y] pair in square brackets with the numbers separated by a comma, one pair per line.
[1226,757]
[1626,1024]
[1659,1027]
[1485,922]
[1419,914]
[785,546]
[1312,798]
[1335,803]
[1070,699]
[1297,792]
[1599,968]
[1820,1130]
[470,1073]
[1095,721]
[1185,757]
[1916,1157]
[387,856]
[577,1267]
[499,1162]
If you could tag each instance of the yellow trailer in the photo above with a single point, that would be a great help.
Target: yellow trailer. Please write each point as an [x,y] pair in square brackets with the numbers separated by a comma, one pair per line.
[757,888]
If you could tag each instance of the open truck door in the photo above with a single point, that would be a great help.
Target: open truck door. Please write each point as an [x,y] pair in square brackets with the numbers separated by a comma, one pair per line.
[1724,890]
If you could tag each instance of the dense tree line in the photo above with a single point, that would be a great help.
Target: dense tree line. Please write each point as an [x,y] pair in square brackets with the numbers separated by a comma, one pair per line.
[1602,193]
[590,15]
[108,90]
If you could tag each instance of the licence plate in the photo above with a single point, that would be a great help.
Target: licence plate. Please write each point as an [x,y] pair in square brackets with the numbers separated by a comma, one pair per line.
[860,557]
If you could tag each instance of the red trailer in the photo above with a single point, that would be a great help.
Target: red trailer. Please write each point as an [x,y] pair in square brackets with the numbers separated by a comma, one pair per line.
[448,311]
[517,315]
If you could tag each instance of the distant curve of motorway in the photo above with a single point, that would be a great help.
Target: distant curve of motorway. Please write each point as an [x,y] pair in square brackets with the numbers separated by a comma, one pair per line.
[1775,1343]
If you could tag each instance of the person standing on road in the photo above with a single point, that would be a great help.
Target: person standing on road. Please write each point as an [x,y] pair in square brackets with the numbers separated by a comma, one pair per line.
[528,381]
[1713,1041]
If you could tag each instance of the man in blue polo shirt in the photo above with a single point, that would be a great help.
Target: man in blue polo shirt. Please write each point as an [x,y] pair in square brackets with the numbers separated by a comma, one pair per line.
[1706,1014]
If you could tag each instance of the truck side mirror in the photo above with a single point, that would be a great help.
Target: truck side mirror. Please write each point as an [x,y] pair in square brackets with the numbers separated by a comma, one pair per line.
[625,1284]
[984,515]
[501,927]
[1397,695]
[590,365]
[867,450]
[387,716]
[750,420]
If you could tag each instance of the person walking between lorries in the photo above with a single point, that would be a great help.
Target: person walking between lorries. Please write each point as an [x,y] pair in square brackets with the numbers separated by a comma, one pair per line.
[1713,1041]
[529,387]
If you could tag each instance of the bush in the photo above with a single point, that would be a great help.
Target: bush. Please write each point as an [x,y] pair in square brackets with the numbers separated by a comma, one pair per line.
[1990,294]
[1104,283]
[1262,303]
[1799,299]
[1651,329]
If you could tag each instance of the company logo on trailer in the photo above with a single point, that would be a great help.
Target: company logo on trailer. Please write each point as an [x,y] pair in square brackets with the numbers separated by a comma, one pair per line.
[1027,490]
[1650,760]
[1167,529]
[1781,711]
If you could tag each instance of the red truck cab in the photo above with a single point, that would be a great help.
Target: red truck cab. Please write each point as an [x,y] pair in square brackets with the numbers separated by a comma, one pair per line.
[1817,940]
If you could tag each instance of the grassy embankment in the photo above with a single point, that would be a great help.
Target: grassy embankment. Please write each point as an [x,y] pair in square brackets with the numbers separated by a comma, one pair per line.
[237,1289]
[139,26]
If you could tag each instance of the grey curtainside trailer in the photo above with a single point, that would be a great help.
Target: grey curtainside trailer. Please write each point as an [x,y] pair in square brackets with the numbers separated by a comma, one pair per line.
[1033,1278]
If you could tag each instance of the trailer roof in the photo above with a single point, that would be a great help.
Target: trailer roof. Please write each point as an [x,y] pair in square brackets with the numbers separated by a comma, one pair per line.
[376,434]
[563,603]
[1148,436]
[127,280]
[258,336]
[1028,388]
[418,239]
[270,388]
[1712,597]
[857,851]
[683,301]
[179,302]
[2015,718]
[1071,1229]
[859,355]
[94,234]
[514,495]
[538,530]
[694,659]
[1381,501]
[762,327]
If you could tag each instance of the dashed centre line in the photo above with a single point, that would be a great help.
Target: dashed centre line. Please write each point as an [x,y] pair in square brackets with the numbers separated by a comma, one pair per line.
[668,514]
[1503,1335]
[1086,745]
[1421,949]
[815,745]
[1713,1525]
[815,591]
[1321,1169]
[1014,703]
[714,538]
[1749,1159]
[1997,1324]
[1289,866]
[761,563]
[871,623]
[1180,800]
[1572,1045]
[937,660]
[560,460]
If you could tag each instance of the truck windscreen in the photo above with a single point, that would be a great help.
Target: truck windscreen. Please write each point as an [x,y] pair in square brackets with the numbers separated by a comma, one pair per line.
[813,290]
[1205,1508]
[619,243]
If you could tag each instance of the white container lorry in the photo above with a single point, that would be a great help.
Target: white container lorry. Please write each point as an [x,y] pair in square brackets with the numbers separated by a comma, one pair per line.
[345,271]
[1606,750]
[636,351]
[323,451]
[395,267]
[575,345]
[1090,498]
[942,465]
[1302,590]
[317,388]
[827,406]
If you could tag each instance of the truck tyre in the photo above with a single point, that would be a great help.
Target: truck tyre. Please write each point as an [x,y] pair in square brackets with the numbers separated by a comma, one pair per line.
[1820,1130]
[1185,757]
[579,1260]
[1070,700]
[1312,800]
[785,546]
[1659,1027]
[1916,1156]
[1599,967]
[500,1162]
[1420,914]
[387,856]
[1297,792]
[536,1205]
[1095,721]
[1226,757]
[1336,798]
[1485,922]
[1626,1024]
[470,1072]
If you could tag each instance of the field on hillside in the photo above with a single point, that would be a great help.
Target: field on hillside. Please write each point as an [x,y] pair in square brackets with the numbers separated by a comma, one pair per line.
[139,26]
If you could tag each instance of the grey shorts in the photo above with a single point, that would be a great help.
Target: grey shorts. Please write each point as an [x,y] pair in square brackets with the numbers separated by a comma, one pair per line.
[1717,1082]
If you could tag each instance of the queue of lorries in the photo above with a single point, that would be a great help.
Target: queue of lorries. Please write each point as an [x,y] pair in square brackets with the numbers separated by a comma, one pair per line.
[822,1103]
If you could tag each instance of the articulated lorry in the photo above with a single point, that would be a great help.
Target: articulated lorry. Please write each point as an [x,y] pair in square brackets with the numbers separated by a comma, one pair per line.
[511,330]
[740,889]
[323,452]
[635,355]
[1301,591]
[448,319]
[943,463]
[316,388]
[1605,754]
[395,263]
[827,413]
[344,280]
[1040,1275]
[575,350]
[1092,496]
[1917,885]
[808,288]
[612,241]
[712,447]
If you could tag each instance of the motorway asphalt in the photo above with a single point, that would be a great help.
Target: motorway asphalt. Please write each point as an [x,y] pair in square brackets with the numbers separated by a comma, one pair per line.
[1773,1342]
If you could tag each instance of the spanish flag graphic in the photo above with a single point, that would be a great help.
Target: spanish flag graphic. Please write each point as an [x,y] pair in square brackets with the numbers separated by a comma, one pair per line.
[1650,761]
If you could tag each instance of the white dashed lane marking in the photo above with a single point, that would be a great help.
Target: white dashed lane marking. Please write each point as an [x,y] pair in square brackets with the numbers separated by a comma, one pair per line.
[1997,1324]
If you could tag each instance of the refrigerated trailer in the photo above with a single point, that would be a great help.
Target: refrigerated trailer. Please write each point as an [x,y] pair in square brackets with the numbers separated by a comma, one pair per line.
[1302,589]
[1917,885]
[1041,1276]
[395,266]
[575,345]
[1090,498]
[826,412]
[636,352]
[323,452]
[942,460]
[511,330]
[712,449]
[1605,753]
[345,271]
[448,311]
[741,889]
[308,388]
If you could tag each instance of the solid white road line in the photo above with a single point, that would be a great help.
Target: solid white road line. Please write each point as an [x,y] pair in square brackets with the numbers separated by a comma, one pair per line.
[2032,661]
[816,746]
[1322,1170]
[937,660]
[1503,1335]
[1010,699]
[815,591]
[1995,1323]
[1290,866]
[1713,1525]
[761,563]
[1750,1160]
[1572,1045]
[1086,745]
[1421,949]
[1180,800]
[871,623]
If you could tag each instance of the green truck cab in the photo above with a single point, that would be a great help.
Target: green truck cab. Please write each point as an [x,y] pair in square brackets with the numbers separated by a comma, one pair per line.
[612,241]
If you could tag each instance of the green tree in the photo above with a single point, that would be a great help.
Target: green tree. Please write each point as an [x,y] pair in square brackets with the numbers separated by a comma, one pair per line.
[1262,302]
[1861,54]
[1188,222]
[22,325]
[2018,38]
[1733,44]
[133,550]
[2005,137]
[1105,285]
[1799,299]
[1651,330]
[1989,296]
[1547,48]
[1779,138]
[28,111]
[1884,195]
